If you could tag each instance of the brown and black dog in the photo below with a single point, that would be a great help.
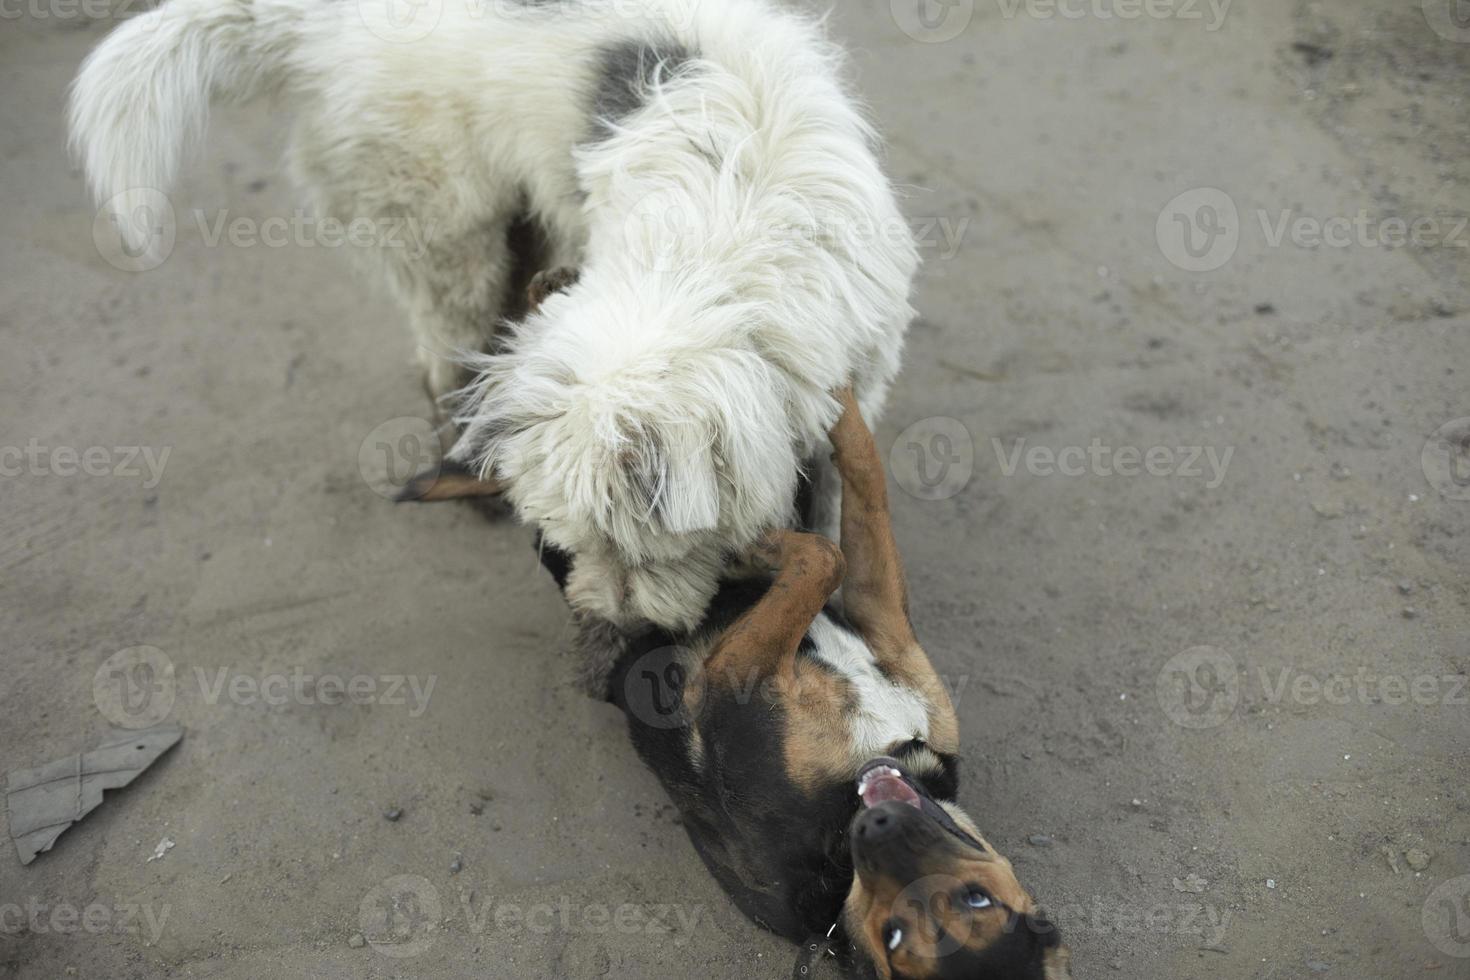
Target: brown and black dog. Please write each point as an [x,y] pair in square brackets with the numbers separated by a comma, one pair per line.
[812,753]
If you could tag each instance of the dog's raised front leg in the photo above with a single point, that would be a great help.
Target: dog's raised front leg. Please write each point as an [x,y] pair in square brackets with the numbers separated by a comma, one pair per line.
[451,480]
[455,286]
[874,593]
[765,638]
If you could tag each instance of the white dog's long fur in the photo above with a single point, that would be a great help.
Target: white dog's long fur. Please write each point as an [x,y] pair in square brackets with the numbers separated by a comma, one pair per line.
[740,251]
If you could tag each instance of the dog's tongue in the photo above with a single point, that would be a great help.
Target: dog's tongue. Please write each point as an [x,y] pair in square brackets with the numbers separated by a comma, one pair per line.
[881,789]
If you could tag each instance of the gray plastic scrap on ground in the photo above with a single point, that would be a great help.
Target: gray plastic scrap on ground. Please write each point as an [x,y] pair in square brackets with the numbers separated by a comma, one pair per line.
[45,801]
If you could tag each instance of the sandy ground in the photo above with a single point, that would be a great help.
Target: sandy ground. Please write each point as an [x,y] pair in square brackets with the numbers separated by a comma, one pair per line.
[1217,714]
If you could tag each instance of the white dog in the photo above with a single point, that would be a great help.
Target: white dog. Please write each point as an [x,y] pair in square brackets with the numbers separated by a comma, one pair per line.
[699,162]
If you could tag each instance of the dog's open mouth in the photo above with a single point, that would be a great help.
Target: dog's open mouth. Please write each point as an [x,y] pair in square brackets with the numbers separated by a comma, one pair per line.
[883,781]
[880,783]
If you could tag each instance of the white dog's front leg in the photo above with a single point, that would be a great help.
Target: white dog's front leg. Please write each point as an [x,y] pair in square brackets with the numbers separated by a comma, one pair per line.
[456,290]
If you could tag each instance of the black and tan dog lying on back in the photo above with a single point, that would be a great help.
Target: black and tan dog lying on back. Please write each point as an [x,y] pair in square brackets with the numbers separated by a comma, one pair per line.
[812,755]
[812,752]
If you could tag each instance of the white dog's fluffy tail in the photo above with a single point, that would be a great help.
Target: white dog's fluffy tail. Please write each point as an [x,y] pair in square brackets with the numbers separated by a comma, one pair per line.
[143,94]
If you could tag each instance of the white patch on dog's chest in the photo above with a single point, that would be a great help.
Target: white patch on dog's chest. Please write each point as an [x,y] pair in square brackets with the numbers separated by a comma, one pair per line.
[886,712]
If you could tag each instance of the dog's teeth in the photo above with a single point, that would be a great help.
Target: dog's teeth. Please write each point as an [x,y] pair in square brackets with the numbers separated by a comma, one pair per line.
[874,773]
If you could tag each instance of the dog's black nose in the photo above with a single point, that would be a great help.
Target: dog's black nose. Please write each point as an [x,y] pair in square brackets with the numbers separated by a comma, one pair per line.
[876,824]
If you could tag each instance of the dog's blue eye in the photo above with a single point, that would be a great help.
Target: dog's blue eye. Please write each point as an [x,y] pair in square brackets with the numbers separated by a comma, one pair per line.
[977,899]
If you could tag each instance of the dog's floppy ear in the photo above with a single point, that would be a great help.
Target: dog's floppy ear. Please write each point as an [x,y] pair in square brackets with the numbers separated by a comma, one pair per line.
[670,472]
[449,480]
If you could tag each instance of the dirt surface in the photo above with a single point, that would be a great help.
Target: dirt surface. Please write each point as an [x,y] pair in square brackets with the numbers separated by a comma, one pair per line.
[1216,715]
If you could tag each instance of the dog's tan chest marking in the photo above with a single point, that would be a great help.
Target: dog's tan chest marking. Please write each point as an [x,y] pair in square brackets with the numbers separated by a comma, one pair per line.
[843,711]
